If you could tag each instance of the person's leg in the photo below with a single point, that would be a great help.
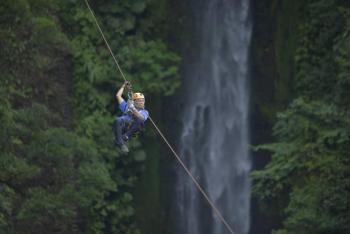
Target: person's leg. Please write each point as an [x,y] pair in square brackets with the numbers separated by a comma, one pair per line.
[134,128]
[118,127]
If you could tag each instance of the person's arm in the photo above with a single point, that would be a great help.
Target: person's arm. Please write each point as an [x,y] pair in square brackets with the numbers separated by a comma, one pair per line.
[119,94]
[137,114]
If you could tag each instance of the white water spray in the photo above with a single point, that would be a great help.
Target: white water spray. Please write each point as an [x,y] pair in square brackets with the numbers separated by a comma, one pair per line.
[214,140]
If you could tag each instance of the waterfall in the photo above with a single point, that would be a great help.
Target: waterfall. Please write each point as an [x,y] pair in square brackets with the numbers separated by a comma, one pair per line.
[214,139]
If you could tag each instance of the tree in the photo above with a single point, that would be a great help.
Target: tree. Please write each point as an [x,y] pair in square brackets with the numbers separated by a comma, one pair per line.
[309,169]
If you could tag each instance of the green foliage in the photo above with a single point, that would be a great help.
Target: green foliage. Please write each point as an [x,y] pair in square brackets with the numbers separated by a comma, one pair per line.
[146,62]
[311,160]
[59,169]
[155,67]
[315,58]
[310,165]
[48,184]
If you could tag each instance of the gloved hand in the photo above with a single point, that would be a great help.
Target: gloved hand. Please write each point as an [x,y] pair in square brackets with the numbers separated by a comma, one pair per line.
[131,105]
[130,102]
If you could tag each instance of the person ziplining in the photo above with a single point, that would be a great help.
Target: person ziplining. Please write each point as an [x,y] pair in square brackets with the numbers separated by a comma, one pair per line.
[133,118]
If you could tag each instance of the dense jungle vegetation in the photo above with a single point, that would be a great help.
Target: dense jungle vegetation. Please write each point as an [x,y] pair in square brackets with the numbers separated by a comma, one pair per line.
[307,181]
[59,169]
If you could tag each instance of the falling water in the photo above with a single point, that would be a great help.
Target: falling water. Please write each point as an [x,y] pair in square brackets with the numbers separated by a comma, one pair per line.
[214,140]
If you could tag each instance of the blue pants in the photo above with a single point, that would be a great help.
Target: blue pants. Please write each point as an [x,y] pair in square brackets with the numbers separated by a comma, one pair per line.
[124,129]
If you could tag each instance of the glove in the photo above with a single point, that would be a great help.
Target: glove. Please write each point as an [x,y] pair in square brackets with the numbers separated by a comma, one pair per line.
[130,102]
[131,105]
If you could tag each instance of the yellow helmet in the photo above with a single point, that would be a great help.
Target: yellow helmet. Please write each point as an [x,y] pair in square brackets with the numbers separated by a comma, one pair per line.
[137,96]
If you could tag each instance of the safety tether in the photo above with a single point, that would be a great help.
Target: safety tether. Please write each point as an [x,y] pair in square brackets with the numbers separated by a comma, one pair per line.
[199,187]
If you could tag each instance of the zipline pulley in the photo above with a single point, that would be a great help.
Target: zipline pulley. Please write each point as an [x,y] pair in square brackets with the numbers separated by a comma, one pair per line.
[129,89]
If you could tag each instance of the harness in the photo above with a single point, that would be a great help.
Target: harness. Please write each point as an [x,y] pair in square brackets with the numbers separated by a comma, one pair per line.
[128,126]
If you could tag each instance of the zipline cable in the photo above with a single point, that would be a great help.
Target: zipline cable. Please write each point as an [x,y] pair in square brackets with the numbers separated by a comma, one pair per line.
[218,213]
[103,36]
[199,187]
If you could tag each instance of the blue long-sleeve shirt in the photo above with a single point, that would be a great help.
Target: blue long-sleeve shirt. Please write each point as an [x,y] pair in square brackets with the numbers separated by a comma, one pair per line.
[123,106]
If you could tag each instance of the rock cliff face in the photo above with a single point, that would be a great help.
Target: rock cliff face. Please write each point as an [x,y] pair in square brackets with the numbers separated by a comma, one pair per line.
[272,69]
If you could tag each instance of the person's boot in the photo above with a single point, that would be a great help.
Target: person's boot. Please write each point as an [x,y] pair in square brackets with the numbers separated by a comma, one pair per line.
[125,138]
[124,149]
